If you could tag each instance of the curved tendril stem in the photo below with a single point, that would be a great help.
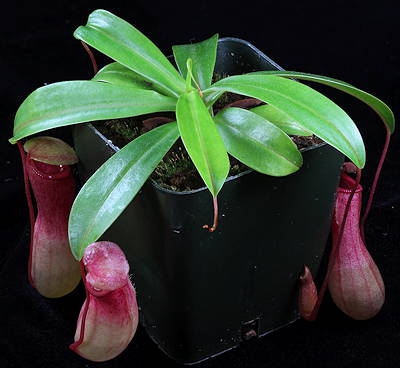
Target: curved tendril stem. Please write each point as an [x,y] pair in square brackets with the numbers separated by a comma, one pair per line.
[215,223]
[30,208]
[374,183]
[190,77]
[92,58]
[335,249]
[74,345]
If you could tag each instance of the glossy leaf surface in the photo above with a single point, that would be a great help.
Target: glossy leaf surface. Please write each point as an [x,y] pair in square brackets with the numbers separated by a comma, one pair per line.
[203,55]
[202,140]
[322,117]
[258,143]
[110,189]
[280,119]
[120,75]
[72,102]
[125,44]
[384,112]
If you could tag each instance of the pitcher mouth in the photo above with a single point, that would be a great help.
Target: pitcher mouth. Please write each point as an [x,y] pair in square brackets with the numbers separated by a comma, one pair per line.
[102,292]
[347,183]
[60,171]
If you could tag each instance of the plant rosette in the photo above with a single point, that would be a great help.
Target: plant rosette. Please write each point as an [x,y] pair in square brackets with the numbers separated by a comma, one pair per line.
[141,80]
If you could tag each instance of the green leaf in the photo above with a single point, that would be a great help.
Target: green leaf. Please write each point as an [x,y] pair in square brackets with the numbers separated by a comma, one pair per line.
[72,102]
[280,119]
[309,108]
[122,42]
[210,97]
[120,75]
[189,75]
[203,55]
[111,188]
[258,143]
[202,140]
[384,112]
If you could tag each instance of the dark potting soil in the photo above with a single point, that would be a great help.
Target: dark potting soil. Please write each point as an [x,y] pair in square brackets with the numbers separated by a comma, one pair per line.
[306,141]
[176,171]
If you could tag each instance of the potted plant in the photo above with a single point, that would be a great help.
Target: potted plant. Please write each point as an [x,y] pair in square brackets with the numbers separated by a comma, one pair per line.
[203,288]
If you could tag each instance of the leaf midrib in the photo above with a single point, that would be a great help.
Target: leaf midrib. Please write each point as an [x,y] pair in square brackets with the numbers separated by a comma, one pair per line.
[203,150]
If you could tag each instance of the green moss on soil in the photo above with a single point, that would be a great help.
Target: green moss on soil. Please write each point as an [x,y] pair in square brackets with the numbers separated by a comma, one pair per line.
[176,170]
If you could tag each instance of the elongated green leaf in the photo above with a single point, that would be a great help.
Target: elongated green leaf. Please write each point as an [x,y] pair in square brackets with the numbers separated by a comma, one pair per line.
[122,42]
[119,75]
[110,189]
[258,143]
[203,55]
[384,112]
[309,108]
[210,97]
[281,120]
[72,102]
[202,140]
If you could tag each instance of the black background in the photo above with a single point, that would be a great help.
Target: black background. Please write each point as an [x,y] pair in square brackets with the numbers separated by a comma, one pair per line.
[354,41]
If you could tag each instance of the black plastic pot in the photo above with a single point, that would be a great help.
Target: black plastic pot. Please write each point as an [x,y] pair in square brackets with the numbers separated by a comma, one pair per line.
[203,293]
